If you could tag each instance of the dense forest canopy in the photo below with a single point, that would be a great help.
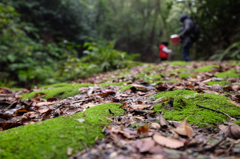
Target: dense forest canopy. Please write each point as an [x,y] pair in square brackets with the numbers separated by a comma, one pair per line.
[58,40]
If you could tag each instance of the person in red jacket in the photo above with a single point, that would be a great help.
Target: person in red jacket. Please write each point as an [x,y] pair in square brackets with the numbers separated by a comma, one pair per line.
[164,51]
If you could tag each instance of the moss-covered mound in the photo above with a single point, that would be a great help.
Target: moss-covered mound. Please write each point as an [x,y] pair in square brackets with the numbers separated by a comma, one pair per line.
[51,138]
[222,83]
[207,68]
[228,74]
[184,105]
[180,63]
[63,90]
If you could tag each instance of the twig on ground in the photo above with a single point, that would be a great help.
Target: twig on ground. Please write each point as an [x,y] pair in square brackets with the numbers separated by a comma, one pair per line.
[231,118]
[218,143]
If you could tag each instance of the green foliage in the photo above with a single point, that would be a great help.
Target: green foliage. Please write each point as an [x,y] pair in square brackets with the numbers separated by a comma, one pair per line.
[51,138]
[232,52]
[99,56]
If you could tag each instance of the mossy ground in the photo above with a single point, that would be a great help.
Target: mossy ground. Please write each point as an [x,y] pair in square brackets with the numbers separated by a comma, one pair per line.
[228,74]
[186,75]
[124,88]
[169,81]
[64,90]
[50,138]
[180,63]
[207,68]
[222,83]
[185,106]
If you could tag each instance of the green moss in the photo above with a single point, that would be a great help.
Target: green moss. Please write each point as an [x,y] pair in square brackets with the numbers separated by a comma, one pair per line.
[170,81]
[156,76]
[185,75]
[185,106]
[237,122]
[173,71]
[222,83]
[50,138]
[149,67]
[207,68]
[61,92]
[124,88]
[181,63]
[228,74]
[64,90]
[16,89]
[141,75]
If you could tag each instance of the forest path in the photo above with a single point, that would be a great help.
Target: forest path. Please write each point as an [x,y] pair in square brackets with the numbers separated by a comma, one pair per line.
[159,100]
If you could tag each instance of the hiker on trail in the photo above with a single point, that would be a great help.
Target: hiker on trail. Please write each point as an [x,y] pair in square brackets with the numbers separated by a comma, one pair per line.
[164,51]
[189,34]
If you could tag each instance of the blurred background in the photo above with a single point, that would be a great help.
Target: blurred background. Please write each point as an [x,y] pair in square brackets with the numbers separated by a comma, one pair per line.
[49,41]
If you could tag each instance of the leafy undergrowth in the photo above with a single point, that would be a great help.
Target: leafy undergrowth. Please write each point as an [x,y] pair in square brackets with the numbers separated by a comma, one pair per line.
[51,138]
[184,105]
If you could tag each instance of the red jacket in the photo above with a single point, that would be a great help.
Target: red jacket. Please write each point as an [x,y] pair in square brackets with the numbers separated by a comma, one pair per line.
[162,54]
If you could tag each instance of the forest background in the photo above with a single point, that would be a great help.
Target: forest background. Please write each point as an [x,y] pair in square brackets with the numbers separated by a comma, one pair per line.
[44,42]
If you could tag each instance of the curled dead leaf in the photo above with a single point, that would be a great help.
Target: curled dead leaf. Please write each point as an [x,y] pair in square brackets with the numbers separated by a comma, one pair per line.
[168,142]
[163,122]
[43,104]
[144,145]
[234,130]
[52,99]
[138,86]
[184,129]
[143,130]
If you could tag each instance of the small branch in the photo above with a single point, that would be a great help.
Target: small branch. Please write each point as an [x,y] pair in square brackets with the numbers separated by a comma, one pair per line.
[231,118]
[218,143]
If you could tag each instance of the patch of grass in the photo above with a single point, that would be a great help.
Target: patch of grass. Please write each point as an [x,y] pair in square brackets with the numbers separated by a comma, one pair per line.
[222,83]
[124,88]
[180,63]
[184,105]
[64,90]
[50,138]
[228,74]
[185,75]
[207,68]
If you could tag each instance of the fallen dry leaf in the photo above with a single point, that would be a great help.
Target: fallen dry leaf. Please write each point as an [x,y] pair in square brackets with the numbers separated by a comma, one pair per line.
[143,130]
[89,105]
[168,142]
[138,86]
[154,126]
[69,151]
[234,130]
[52,99]
[80,120]
[43,104]
[184,129]
[163,122]
[235,103]
[144,145]
[141,107]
